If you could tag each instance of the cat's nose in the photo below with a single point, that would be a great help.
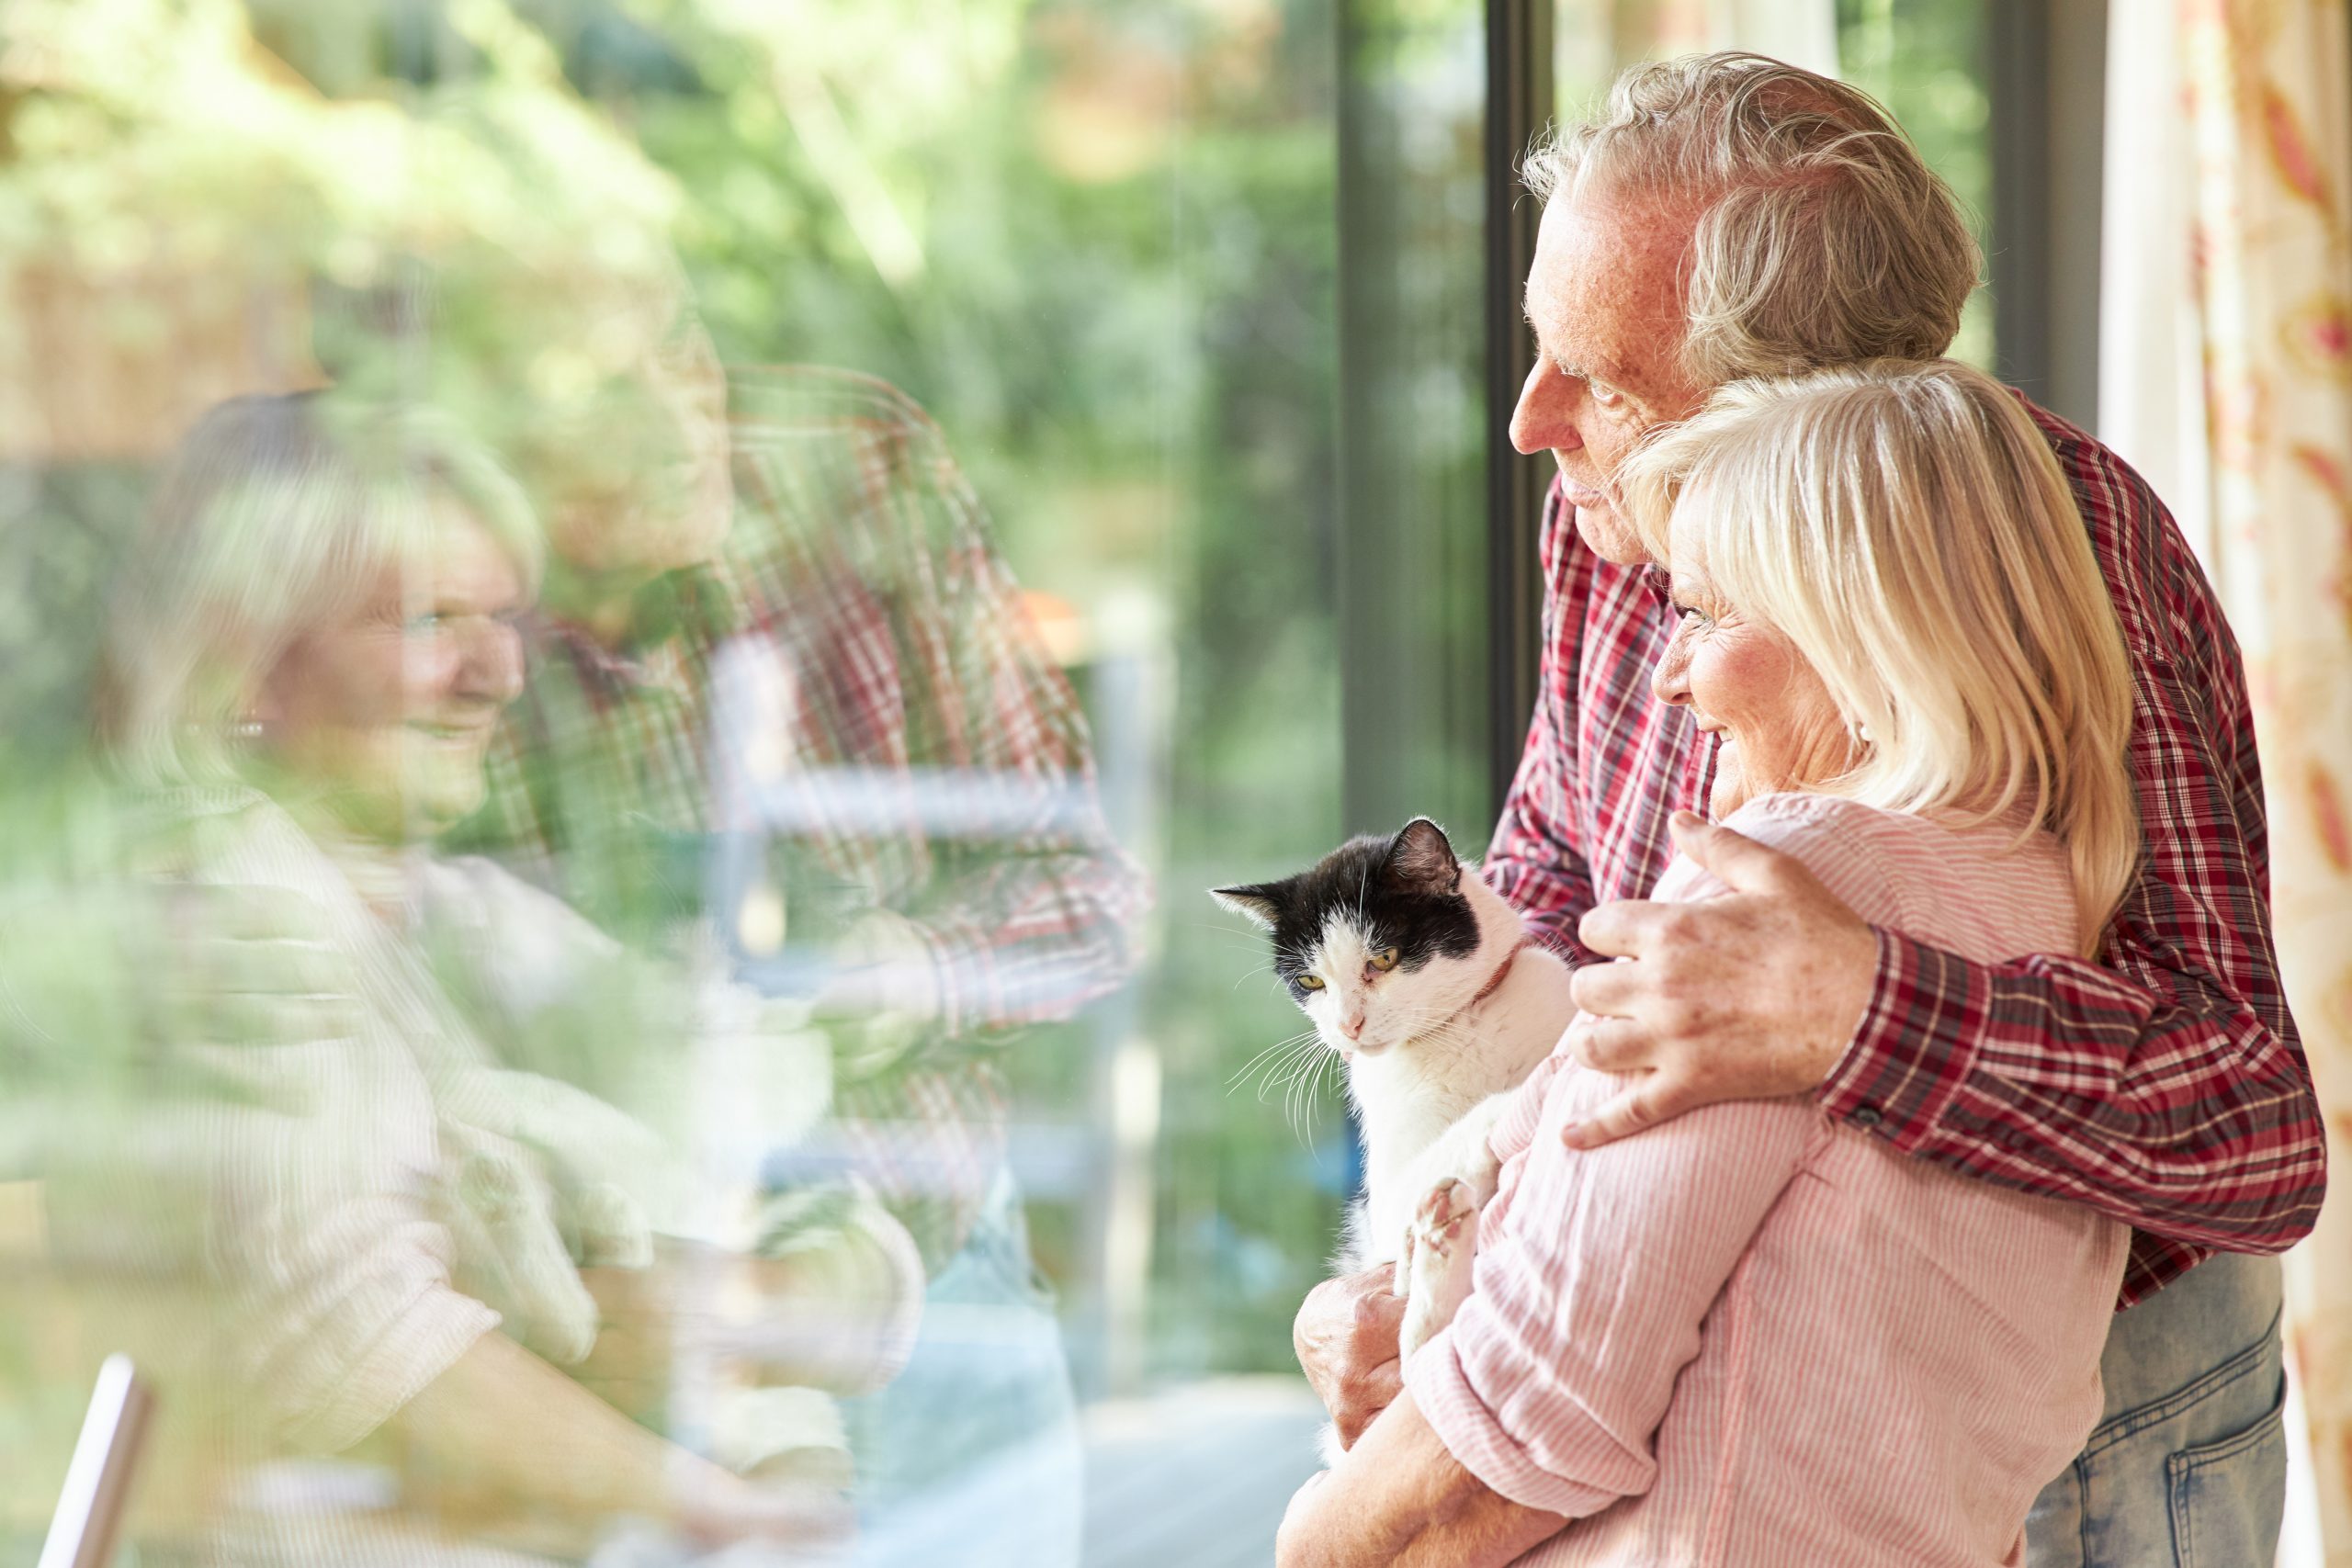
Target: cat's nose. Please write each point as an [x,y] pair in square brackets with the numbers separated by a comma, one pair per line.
[1353,1028]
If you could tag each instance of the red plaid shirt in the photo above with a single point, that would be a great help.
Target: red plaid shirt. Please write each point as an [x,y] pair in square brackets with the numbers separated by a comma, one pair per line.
[861,556]
[2164,1088]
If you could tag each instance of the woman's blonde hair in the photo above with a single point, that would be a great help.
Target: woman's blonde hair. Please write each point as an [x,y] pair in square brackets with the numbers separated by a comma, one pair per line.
[1907,527]
[272,517]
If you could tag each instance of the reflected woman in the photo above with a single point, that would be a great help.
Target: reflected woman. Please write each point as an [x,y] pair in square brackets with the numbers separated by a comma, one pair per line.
[305,659]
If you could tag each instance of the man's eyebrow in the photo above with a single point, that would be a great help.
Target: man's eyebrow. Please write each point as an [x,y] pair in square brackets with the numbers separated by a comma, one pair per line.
[1607,371]
[1597,370]
[1598,367]
[1527,314]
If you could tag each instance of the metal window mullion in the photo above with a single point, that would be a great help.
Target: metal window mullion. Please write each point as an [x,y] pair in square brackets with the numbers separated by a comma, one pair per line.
[1518,106]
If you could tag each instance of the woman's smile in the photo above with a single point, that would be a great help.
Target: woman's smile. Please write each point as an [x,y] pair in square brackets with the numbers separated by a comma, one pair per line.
[1744,680]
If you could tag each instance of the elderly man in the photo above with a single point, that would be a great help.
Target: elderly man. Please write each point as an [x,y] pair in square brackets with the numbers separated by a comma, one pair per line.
[1730,217]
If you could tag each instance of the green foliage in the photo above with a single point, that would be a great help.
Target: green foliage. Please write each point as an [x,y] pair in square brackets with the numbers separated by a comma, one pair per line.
[1126,323]
[1924,60]
[1096,242]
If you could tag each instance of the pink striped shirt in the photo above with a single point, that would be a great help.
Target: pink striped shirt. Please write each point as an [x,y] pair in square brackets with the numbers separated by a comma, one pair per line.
[1755,1335]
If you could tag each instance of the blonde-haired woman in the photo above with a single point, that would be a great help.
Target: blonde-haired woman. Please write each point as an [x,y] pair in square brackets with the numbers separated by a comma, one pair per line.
[1752,1335]
[306,655]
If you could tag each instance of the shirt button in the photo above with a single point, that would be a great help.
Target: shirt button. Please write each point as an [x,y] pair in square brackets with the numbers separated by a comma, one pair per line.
[1867,1116]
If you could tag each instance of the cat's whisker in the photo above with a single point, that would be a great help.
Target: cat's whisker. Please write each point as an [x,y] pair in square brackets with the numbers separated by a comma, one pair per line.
[1315,1086]
[1269,1062]
[1284,1073]
[1289,1085]
[1299,1085]
[1277,1045]
[1302,1103]
[1265,968]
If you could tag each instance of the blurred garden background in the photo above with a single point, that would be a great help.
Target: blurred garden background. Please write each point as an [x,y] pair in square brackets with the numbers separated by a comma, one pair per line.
[1193,287]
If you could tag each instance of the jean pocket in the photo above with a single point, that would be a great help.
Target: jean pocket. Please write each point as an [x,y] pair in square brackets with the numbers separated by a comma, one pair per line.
[2229,1498]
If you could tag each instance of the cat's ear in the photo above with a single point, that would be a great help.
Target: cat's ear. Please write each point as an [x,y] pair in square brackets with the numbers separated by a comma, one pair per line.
[1421,857]
[1260,902]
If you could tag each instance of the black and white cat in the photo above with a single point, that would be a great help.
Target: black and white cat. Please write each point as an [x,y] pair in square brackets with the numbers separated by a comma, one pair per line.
[1421,976]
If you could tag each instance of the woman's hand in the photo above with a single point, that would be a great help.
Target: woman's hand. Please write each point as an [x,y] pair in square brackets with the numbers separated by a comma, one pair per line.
[1346,1336]
[502,1445]
[840,1303]
[1402,1500]
[716,1509]
[837,1312]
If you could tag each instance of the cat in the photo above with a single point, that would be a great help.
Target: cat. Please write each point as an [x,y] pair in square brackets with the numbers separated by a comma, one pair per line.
[1418,972]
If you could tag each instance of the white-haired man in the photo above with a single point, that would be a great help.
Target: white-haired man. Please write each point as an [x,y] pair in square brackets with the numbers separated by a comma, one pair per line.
[1728,216]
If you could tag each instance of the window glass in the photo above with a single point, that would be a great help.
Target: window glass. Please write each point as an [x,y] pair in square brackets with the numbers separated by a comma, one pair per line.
[1925,61]
[634,630]
[631,633]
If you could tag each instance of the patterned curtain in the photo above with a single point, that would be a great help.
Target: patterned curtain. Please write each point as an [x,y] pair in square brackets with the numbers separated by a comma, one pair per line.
[2226,376]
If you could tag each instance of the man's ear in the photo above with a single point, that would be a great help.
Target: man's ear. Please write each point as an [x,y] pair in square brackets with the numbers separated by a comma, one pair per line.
[1421,857]
[1260,902]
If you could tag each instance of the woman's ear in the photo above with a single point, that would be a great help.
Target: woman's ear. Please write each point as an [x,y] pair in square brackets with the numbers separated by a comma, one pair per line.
[1260,902]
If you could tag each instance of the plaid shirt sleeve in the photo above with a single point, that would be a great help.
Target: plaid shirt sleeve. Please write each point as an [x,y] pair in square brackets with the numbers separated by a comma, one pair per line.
[2165,1087]
[866,557]
[1029,931]
[862,558]
[1536,859]
[879,573]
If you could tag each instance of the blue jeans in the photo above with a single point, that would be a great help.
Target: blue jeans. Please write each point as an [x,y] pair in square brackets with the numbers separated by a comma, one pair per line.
[2188,1467]
[971,1455]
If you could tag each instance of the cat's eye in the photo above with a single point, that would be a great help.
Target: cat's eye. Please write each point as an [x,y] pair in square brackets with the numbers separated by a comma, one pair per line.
[1385,960]
[1310,982]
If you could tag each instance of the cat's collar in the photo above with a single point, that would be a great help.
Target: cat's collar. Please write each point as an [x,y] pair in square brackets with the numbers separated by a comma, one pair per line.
[1502,971]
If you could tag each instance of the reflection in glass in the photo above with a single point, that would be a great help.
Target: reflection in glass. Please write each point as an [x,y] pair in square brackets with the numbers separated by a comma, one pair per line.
[608,612]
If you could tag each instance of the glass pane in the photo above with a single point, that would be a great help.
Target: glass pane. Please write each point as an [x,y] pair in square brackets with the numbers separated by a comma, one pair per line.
[1412,458]
[632,632]
[1925,61]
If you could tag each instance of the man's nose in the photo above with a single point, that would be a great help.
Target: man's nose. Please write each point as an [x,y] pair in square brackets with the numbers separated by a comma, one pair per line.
[1544,420]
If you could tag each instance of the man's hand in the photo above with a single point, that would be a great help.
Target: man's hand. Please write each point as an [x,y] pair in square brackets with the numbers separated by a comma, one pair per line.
[1750,996]
[1346,1338]
[883,996]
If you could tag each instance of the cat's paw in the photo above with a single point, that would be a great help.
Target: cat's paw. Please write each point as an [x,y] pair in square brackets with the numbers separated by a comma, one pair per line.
[1444,1240]
[1481,1173]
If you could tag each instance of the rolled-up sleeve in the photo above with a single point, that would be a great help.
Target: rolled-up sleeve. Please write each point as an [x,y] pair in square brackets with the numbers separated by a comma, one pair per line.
[344,1284]
[412,1327]
[1592,1283]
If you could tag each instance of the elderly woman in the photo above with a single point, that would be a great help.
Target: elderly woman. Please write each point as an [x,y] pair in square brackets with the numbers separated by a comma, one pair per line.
[305,662]
[1753,1335]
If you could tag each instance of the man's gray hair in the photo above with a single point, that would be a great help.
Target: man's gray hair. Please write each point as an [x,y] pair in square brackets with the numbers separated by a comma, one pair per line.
[1824,238]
